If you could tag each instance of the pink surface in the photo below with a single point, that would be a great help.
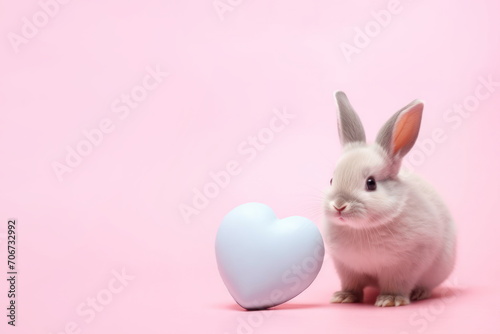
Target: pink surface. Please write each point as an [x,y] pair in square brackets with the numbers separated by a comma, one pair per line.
[232,65]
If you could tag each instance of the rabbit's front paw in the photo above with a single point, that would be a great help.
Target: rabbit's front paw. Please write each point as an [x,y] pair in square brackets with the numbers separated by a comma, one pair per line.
[346,297]
[391,300]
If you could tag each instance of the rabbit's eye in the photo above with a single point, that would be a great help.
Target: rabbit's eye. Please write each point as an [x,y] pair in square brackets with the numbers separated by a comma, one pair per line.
[331,181]
[371,185]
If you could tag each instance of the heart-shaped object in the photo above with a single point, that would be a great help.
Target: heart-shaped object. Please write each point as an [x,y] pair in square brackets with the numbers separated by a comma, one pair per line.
[265,261]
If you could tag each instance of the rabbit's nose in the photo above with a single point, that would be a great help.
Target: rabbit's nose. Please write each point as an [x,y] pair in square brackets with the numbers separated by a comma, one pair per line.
[340,209]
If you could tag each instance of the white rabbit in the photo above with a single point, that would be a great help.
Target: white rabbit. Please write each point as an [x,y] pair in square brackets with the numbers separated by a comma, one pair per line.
[385,228]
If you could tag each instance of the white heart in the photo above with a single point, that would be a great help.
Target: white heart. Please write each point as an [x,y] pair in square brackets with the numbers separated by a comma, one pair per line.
[265,261]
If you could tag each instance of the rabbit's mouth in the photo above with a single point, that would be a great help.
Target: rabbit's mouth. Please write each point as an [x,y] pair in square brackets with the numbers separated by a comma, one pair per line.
[352,218]
[338,216]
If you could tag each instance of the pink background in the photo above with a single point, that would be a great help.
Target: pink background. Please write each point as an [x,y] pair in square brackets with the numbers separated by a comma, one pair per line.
[119,209]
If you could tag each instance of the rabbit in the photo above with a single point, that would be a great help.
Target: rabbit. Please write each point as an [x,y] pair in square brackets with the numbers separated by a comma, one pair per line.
[385,227]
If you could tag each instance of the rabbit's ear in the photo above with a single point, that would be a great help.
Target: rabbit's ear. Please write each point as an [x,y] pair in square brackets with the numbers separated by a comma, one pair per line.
[348,122]
[399,133]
